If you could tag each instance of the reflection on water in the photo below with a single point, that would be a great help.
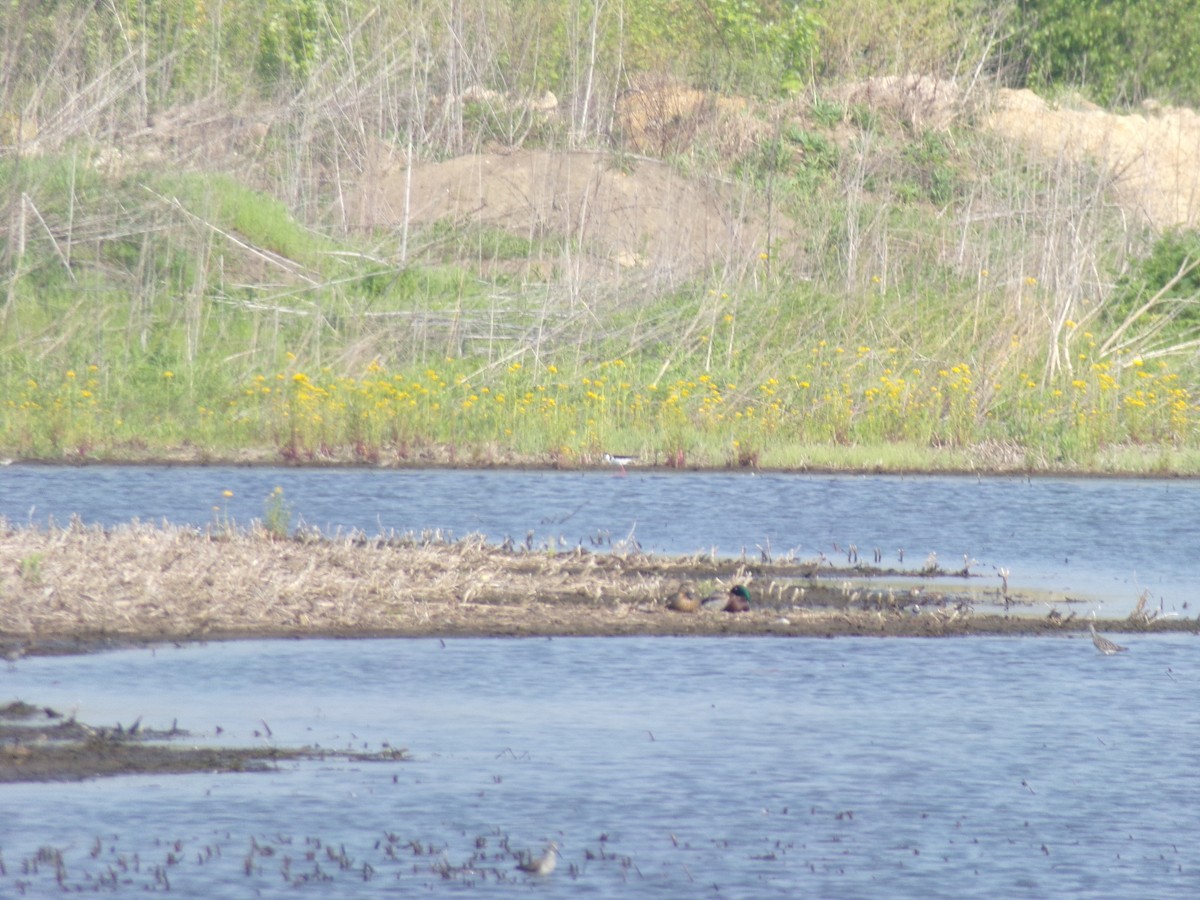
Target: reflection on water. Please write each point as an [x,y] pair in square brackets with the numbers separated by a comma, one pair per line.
[1107,539]
[663,767]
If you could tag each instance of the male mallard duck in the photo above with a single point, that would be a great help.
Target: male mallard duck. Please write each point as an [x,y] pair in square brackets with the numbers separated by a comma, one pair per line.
[684,600]
[1103,644]
[737,599]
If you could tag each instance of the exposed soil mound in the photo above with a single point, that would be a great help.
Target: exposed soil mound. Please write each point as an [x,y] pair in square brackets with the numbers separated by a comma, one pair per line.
[599,215]
[1153,159]
[661,119]
[600,219]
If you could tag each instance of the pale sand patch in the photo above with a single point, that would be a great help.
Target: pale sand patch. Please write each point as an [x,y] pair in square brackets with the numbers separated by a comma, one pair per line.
[1153,157]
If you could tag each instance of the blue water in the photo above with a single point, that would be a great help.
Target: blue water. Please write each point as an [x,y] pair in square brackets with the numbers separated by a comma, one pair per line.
[1102,539]
[662,767]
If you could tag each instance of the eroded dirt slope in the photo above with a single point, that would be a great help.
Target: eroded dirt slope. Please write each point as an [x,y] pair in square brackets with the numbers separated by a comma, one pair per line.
[639,215]
[634,214]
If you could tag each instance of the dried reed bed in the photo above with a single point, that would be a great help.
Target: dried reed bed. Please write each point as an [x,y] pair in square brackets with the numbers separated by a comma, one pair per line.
[139,582]
[148,581]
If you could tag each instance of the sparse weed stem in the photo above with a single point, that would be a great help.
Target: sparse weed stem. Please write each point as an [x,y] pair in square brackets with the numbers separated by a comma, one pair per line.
[31,569]
[223,525]
[277,514]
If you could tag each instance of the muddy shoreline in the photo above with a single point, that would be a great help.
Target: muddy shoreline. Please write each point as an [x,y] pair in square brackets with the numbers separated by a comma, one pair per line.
[83,588]
[86,589]
[41,744]
[445,458]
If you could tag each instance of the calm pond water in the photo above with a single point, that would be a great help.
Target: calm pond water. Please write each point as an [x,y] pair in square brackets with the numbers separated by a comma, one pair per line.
[1104,539]
[662,767]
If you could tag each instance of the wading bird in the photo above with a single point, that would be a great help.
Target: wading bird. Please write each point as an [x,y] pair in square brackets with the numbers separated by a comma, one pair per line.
[1103,644]
[542,865]
[14,652]
[614,459]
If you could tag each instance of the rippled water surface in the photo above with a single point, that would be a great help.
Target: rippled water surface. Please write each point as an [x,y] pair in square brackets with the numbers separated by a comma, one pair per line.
[1107,539]
[662,767]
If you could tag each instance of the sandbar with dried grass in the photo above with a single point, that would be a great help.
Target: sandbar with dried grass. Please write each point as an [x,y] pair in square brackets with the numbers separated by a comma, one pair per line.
[82,587]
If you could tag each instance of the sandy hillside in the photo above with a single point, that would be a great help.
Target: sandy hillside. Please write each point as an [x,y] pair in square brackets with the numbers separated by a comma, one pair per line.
[1152,157]
[644,216]
[641,215]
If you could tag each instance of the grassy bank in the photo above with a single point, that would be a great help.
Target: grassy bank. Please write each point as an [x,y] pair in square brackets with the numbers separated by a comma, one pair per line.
[216,241]
[366,363]
[920,300]
[825,405]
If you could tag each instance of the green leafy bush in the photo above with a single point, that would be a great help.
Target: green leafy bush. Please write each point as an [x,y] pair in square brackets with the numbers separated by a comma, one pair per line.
[1116,51]
[1172,253]
[752,46]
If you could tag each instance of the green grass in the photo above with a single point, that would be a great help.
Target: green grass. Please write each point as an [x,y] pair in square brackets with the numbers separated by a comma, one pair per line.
[199,314]
[223,202]
[733,394]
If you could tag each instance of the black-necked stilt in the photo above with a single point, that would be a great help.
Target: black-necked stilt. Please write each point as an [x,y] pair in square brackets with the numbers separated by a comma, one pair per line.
[614,459]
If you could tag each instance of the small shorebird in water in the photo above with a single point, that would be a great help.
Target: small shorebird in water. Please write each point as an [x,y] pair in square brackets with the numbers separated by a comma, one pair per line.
[542,865]
[1103,644]
[14,652]
[615,459]
[737,599]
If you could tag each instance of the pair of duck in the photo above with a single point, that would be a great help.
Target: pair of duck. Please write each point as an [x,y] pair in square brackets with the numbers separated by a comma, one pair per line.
[735,600]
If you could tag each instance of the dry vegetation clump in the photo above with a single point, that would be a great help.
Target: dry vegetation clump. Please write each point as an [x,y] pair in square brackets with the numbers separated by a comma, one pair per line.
[140,582]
